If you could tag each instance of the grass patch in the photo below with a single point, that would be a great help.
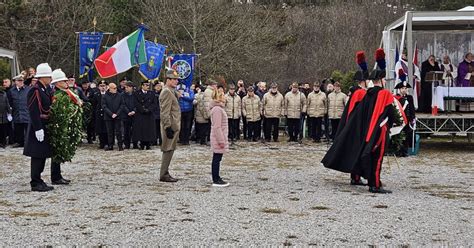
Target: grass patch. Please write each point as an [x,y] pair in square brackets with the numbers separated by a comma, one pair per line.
[291,237]
[187,220]
[319,208]
[262,178]
[15,214]
[5,203]
[272,210]
[112,209]
[294,199]
[380,206]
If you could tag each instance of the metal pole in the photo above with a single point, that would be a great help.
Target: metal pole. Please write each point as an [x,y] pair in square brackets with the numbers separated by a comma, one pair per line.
[409,22]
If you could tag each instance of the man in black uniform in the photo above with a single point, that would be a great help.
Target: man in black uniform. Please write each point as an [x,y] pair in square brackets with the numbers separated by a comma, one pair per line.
[37,142]
[409,108]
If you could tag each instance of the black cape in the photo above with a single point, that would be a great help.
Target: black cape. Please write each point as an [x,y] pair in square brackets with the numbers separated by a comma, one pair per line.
[353,146]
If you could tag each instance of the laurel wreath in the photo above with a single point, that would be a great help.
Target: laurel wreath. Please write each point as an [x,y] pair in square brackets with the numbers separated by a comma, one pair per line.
[64,127]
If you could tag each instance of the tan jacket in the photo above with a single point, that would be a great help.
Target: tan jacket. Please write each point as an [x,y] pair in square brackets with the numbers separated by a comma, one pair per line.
[251,108]
[233,106]
[337,101]
[316,104]
[273,105]
[295,104]
[207,102]
[200,113]
[170,114]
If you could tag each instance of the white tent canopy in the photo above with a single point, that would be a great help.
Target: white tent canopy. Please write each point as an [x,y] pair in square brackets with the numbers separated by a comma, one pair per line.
[12,55]
[424,21]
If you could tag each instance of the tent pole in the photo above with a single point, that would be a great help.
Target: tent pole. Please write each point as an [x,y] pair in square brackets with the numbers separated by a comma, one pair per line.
[409,22]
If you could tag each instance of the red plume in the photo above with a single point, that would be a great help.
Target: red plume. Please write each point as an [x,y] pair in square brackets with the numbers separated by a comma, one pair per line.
[360,57]
[379,54]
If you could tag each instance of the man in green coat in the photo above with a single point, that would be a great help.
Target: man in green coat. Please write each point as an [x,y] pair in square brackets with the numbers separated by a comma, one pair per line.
[170,114]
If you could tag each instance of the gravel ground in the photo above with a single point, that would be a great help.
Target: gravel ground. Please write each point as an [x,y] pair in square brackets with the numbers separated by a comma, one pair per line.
[279,195]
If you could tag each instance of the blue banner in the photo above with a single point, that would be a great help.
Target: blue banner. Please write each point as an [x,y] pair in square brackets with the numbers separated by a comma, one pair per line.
[89,46]
[155,53]
[184,65]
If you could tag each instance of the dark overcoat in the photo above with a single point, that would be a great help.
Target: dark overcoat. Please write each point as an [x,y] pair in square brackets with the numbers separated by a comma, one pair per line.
[144,121]
[39,104]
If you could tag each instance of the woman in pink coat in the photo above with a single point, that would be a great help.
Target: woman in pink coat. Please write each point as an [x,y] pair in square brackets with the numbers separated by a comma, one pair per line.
[219,134]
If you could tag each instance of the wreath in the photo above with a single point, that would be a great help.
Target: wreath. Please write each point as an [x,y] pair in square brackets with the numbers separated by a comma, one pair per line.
[65,125]
[396,141]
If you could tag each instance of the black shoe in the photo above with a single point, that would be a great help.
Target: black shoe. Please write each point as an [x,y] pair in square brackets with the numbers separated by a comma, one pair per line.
[109,148]
[120,148]
[101,146]
[379,190]
[127,147]
[220,183]
[147,148]
[41,188]
[168,179]
[135,146]
[358,182]
[275,140]
[61,181]
[90,142]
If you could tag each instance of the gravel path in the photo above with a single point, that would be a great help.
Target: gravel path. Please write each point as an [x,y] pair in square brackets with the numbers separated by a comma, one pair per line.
[279,195]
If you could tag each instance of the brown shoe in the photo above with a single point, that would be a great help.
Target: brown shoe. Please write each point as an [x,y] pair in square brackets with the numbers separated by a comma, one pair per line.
[168,179]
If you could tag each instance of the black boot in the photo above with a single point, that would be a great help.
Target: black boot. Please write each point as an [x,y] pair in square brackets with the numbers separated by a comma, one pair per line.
[379,190]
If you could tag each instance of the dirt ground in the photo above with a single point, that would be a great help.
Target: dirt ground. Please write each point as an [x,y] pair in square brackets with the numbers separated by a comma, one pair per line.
[279,194]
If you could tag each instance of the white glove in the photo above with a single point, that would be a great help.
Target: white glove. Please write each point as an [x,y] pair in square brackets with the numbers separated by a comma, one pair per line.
[9,117]
[39,135]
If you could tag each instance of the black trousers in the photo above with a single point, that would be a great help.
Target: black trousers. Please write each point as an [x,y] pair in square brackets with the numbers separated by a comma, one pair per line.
[234,129]
[202,132]
[3,133]
[20,130]
[10,134]
[216,164]
[293,128]
[55,171]
[158,131]
[90,129]
[114,129]
[244,127]
[316,127]
[334,125]
[253,128]
[102,139]
[376,159]
[37,167]
[271,128]
[186,123]
[127,132]
[407,143]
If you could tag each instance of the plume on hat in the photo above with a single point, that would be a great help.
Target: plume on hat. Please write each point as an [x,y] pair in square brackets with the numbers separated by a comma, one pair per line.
[360,60]
[380,58]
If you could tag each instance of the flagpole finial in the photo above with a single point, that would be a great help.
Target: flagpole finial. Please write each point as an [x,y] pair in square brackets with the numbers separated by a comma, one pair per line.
[155,40]
[94,22]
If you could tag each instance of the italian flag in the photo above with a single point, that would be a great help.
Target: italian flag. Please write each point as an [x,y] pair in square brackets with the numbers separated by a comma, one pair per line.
[128,52]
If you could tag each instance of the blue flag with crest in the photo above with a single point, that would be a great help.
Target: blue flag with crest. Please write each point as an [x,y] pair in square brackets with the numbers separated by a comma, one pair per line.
[89,46]
[184,65]
[155,53]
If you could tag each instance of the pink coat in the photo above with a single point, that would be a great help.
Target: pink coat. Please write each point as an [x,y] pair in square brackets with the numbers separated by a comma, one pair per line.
[219,128]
